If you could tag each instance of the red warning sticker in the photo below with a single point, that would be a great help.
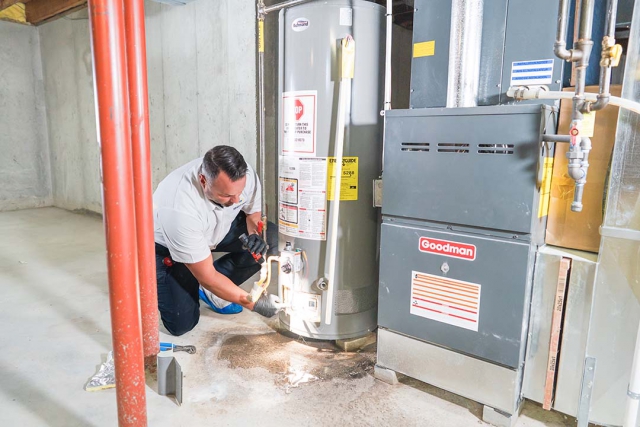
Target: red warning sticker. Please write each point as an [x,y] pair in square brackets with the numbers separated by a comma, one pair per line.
[454,302]
[448,248]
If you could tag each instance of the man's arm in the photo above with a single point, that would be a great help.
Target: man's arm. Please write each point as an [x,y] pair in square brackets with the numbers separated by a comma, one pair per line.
[218,283]
[252,222]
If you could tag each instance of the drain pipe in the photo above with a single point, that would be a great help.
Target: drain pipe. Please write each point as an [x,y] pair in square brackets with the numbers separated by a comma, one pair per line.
[106,21]
[560,46]
[387,59]
[347,68]
[262,117]
[387,75]
[540,92]
[611,53]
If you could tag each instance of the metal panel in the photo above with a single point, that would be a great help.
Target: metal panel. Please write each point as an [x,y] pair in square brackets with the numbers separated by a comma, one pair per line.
[308,62]
[531,31]
[489,190]
[500,267]
[472,378]
[429,74]
[574,333]
[575,326]
[616,307]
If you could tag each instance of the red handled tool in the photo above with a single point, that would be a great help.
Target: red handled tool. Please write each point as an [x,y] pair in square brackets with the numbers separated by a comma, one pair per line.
[245,242]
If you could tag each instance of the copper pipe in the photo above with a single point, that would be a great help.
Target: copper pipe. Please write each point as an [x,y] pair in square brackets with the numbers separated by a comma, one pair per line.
[140,143]
[110,77]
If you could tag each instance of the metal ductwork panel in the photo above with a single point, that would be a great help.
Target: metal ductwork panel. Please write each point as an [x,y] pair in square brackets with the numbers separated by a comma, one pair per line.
[511,53]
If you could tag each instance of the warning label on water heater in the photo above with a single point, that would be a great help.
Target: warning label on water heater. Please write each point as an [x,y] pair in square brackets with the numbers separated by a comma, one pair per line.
[444,300]
[299,122]
[302,211]
[349,181]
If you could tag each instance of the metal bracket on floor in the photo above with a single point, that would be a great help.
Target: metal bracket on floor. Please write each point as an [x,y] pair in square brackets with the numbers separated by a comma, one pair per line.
[385,375]
[498,418]
[584,404]
[170,378]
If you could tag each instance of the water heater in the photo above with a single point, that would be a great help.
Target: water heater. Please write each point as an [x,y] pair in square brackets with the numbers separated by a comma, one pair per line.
[309,56]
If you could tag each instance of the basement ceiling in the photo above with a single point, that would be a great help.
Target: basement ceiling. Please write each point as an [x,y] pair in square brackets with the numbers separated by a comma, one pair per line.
[36,12]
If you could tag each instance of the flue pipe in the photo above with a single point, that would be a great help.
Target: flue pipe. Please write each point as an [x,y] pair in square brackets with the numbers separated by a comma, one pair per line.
[110,77]
[464,53]
[141,151]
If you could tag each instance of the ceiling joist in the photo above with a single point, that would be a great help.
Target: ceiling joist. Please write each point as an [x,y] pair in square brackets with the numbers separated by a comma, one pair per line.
[40,11]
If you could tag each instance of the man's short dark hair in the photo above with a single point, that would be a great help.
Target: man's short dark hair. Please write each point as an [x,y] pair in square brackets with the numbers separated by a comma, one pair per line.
[226,159]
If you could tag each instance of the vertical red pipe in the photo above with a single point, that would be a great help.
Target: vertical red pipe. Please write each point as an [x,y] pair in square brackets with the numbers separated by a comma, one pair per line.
[109,60]
[140,142]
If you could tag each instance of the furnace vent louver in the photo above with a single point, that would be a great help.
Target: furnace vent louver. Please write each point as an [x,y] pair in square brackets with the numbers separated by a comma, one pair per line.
[495,148]
[453,148]
[415,146]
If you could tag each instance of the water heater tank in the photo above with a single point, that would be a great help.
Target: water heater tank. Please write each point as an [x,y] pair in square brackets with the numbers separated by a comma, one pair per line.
[309,55]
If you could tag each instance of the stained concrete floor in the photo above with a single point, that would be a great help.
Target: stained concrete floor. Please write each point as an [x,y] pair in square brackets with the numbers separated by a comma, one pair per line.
[54,313]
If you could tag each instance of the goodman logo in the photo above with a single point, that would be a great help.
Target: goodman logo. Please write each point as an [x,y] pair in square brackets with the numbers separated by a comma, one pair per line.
[447,248]
[300,24]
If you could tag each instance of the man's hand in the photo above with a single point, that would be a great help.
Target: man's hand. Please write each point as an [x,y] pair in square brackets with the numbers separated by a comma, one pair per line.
[256,245]
[267,305]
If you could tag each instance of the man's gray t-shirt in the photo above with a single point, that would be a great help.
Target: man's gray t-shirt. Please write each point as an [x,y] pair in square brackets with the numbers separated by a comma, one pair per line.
[189,224]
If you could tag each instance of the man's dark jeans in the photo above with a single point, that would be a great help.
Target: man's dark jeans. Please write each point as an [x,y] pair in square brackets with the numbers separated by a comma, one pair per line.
[178,300]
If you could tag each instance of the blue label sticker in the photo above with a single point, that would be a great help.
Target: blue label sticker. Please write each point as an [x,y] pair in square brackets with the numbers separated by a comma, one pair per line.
[528,73]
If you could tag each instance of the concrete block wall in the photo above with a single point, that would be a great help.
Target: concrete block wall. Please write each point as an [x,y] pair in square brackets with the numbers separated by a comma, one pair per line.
[25,175]
[202,92]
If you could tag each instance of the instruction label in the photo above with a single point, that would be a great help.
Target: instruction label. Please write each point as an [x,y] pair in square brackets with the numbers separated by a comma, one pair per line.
[588,124]
[526,73]
[303,214]
[299,122]
[444,300]
[289,190]
[349,182]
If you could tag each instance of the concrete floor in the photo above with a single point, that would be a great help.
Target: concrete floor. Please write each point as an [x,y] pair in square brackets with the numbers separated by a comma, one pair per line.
[54,312]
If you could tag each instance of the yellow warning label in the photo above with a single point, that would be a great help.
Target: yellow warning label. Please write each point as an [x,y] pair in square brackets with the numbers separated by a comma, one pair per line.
[424,49]
[588,124]
[261,36]
[349,182]
[545,188]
